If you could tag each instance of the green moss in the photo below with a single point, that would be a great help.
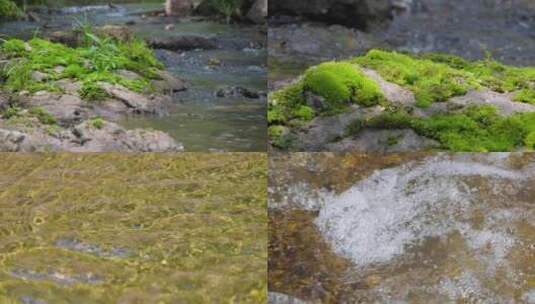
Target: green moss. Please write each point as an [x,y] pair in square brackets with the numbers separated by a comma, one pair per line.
[43,116]
[477,128]
[97,123]
[430,81]
[341,83]
[9,10]
[89,64]
[11,112]
[304,113]
[91,91]
[526,95]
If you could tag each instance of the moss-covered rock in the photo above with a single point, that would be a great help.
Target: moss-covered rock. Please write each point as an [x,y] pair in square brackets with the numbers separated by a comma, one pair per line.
[9,10]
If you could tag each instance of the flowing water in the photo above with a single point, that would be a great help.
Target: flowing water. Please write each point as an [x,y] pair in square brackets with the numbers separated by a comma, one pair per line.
[150,228]
[198,119]
[439,229]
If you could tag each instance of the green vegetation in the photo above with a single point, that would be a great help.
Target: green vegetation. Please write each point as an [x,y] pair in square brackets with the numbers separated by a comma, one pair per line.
[436,77]
[97,60]
[476,128]
[9,10]
[339,84]
[227,7]
[43,116]
[97,123]
[430,81]
[150,228]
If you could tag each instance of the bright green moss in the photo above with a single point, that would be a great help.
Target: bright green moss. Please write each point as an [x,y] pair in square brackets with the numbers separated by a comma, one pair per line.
[529,141]
[95,62]
[338,83]
[430,81]
[341,83]
[477,128]
[9,10]
[305,113]
[97,123]
[14,48]
[526,95]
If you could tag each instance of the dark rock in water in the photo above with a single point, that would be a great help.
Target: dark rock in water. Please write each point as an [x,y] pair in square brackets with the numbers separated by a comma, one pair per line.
[182,43]
[31,300]
[239,91]
[169,83]
[178,7]
[354,13]
[258,12]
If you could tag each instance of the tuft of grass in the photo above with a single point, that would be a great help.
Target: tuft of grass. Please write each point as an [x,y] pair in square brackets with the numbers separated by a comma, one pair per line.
[431,81]
[91,91]
[9,10]
[97,123]
[227,8]
[96,61]
[525,95]
[43,116]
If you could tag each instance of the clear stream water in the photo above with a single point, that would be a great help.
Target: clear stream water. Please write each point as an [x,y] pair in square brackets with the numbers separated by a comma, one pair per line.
[441,229]
[199,119]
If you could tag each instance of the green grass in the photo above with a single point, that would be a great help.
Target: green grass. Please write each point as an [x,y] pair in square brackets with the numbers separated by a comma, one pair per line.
[98,60]
[9,10]
[97,123]
[475,129]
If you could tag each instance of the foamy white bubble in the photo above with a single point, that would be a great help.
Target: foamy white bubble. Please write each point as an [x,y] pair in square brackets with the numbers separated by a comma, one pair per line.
[378,218]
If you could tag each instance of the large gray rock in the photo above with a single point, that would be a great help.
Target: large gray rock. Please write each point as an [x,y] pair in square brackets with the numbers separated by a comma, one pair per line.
[178,7]
[258,12]
[10,141]
[354,13]
[182,43]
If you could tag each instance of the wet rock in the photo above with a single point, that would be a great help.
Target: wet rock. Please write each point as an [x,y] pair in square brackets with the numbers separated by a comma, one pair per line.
[178,7]
[93,249]
[280,298]
[353,13]
[112,137]
[128,74]
[169,83]
[235,91]
[10,141]
[139,103]
[39,76]
[384,141]
[31,300]
[56,277]
[316,102]
[67,109]
[118,32]
[69,38]
[324,130]
[258,11]
[170,27]
[182,43]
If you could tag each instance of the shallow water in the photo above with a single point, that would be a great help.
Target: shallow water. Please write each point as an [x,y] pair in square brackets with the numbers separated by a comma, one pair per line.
[151,228]
[199,120]
[452,228]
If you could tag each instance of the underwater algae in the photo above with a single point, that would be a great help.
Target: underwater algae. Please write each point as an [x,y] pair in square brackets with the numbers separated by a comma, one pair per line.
[136,228]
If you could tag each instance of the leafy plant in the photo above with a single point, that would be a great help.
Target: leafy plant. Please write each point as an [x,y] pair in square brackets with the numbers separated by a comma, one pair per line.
[227,7]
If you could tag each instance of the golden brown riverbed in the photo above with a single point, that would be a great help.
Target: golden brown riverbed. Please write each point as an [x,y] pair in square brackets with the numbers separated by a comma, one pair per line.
[145,228]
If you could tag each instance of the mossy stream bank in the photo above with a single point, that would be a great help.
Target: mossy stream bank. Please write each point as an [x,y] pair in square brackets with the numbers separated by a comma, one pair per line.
[202,88]
[116,228]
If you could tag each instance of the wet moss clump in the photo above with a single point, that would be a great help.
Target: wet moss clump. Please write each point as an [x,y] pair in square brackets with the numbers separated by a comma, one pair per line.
[146,228]
[9,10]
[474,129]
[98,60]
[336,84]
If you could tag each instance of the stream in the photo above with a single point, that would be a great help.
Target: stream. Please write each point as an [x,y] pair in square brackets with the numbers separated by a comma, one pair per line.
[198,119]
[437,228]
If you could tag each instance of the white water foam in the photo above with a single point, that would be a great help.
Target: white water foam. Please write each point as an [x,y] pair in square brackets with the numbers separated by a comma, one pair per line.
[380,217]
